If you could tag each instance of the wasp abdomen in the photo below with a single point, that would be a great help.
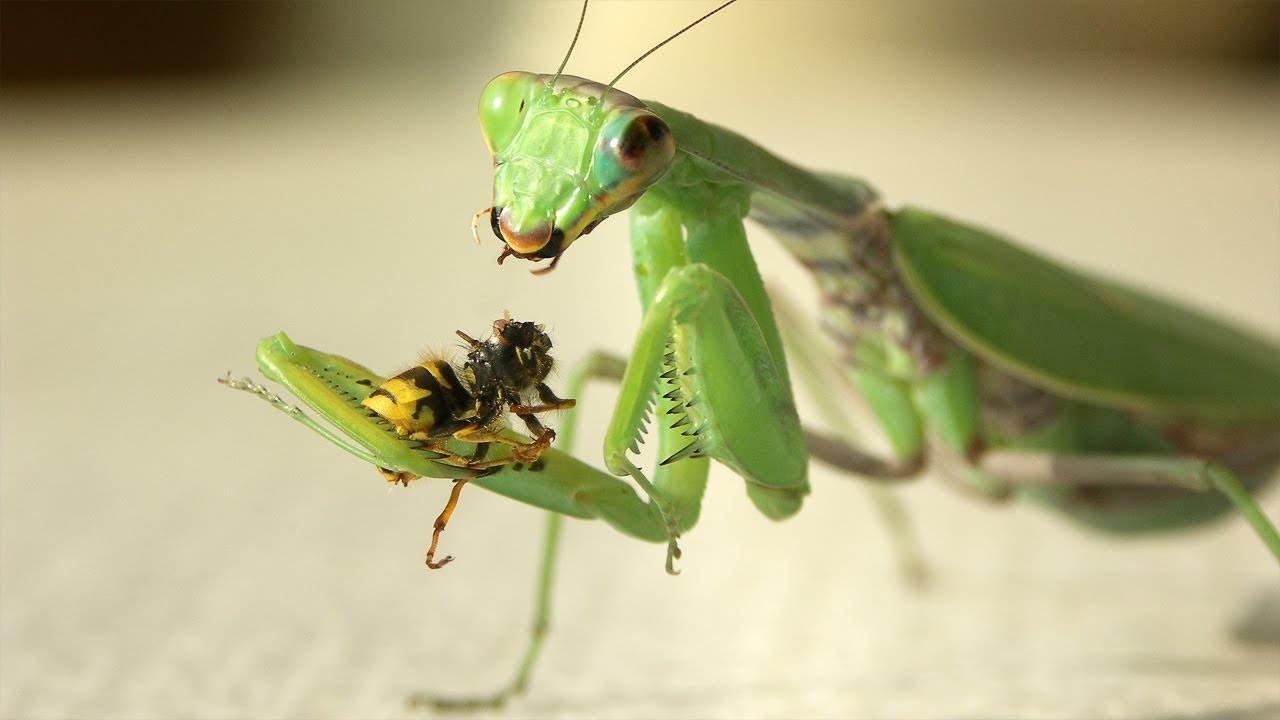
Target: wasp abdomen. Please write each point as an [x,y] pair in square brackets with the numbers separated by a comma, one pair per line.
[421,397]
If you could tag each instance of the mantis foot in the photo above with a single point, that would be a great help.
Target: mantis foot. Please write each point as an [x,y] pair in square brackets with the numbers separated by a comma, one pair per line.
[418,701]
[673,554]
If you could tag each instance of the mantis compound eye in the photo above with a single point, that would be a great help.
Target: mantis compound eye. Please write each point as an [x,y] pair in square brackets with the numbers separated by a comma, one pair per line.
[502,106]
[633,152]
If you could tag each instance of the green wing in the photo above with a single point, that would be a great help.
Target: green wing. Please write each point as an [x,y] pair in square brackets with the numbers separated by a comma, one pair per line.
[1078,335]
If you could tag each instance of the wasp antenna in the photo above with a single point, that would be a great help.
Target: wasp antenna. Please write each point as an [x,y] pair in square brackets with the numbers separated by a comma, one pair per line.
[572,44]
[468,339]
[654,49]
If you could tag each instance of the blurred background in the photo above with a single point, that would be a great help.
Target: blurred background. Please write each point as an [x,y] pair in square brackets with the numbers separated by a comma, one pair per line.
[178,180]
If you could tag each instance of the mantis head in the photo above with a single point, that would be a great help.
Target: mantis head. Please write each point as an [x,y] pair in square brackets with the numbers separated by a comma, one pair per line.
[566,156]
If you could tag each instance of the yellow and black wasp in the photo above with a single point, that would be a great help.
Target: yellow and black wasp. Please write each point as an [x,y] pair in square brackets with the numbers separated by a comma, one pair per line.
[434,402]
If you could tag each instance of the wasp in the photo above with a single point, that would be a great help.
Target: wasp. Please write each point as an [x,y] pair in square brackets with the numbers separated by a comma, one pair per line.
[434,402]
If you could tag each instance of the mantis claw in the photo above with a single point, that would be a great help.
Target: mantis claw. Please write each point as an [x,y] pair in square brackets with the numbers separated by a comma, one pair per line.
[673,554]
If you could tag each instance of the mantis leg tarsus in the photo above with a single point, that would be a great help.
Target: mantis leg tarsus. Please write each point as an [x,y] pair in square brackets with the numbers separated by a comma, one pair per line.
[673,554]
[670,517]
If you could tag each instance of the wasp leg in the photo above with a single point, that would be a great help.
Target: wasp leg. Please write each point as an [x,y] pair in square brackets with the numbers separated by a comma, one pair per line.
[435,445]
[479,463]
[531,409]
[397,476]
[549,403]
[543,434]
[440,524]
[482,449]
[520,452]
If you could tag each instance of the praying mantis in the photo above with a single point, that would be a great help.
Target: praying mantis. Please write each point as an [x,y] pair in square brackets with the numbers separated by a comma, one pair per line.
[1012,374]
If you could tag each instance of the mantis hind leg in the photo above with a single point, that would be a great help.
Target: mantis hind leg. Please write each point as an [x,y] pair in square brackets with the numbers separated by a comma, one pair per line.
[1095,472]
[538,632]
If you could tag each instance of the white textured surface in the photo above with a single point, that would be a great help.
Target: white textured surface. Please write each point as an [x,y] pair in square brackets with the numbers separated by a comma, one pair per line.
[170,549]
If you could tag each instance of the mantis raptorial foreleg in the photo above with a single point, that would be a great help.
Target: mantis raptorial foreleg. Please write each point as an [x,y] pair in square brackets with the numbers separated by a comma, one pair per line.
[709,348]
[728,398]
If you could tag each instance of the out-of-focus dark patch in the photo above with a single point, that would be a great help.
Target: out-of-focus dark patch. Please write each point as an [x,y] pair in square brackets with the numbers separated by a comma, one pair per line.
[43,43]
[1260,623]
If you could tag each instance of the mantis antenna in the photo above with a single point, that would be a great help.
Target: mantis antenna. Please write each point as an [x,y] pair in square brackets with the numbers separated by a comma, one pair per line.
[654,49]
[582,17]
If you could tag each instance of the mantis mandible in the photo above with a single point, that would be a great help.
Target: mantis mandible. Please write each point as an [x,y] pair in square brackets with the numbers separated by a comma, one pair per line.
[1014,375]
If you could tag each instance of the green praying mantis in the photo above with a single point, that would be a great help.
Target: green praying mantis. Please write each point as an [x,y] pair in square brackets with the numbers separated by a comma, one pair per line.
[1008,373]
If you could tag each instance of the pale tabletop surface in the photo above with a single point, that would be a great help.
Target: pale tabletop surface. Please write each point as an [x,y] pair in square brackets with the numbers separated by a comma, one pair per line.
[171,549]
